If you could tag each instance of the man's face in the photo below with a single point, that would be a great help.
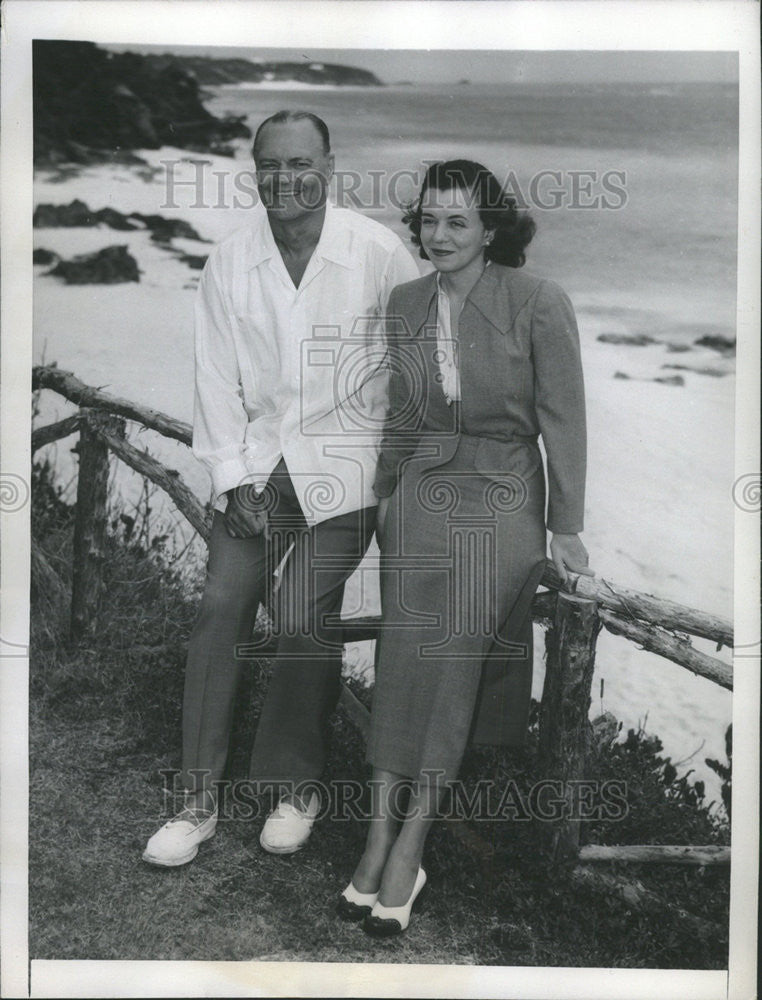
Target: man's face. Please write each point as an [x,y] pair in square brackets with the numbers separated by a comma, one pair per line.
[293,170]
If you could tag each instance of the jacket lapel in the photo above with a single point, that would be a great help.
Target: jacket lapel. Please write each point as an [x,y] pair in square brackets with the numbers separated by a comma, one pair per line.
[489,299]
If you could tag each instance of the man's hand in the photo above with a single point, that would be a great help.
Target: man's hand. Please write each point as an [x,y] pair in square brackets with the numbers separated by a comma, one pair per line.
[246,513]
[569,554]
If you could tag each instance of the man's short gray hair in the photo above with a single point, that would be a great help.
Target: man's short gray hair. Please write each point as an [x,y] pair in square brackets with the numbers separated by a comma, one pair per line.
[281,117]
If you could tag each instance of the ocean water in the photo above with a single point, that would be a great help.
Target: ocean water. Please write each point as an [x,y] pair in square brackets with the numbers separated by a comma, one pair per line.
[662,262]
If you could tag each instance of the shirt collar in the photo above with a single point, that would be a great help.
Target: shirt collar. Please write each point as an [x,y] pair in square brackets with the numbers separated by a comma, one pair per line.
[335,238]
[333,245]
[486,296]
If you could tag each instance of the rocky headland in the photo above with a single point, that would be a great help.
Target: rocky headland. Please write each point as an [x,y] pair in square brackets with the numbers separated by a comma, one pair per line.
[92,105]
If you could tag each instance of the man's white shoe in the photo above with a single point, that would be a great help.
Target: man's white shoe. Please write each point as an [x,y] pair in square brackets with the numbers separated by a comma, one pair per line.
[287,829]
[176,843]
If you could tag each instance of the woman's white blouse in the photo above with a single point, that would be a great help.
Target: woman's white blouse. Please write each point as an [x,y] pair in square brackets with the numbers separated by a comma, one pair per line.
[447,349]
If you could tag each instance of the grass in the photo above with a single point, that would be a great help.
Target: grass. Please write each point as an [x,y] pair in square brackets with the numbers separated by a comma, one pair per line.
[105,718]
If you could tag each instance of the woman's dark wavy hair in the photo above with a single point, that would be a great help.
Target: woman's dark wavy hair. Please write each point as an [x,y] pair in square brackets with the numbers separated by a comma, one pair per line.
[513,229]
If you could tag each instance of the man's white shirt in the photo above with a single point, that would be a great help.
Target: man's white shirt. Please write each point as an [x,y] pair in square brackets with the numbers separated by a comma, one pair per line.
[296,372]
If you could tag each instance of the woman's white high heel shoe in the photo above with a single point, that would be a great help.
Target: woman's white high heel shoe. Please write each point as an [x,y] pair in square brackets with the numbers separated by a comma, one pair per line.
[385,921]
[354,905]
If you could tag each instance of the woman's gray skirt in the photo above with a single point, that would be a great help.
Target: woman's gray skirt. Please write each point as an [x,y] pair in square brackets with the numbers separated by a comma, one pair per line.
[462,554]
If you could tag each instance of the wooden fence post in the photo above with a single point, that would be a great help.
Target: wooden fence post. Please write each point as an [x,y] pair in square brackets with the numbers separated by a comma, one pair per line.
[90,521]
[564,725]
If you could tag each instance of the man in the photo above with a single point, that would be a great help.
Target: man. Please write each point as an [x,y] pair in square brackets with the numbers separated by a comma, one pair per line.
[290,399]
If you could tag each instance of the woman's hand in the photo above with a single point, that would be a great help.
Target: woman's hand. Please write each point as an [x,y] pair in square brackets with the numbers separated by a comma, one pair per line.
[383,506]
[246,513]
[569,555]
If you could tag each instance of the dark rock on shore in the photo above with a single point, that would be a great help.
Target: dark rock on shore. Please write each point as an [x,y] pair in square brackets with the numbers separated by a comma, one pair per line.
[92,106]
[42,256]
[194,261]
[113,264]
[725,345]
[163,230]
[716,372]
[632,339]
[110,266]
[663,379]
[77,213]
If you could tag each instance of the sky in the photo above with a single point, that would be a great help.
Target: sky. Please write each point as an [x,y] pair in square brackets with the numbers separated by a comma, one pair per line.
[478,66]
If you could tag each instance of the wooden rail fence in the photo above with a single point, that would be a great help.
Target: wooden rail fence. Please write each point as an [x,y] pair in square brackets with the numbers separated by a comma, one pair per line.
[573,617]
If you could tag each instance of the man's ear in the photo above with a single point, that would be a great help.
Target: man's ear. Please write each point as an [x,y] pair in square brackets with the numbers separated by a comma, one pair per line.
[331,159]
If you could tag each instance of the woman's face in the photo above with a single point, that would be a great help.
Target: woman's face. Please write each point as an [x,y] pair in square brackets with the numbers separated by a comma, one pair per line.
[452,233]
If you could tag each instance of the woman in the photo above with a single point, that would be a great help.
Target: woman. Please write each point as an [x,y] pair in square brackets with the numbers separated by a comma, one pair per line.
[484,359]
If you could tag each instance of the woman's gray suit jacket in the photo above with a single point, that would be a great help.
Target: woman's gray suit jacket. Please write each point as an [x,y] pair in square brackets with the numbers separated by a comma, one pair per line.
[521,375]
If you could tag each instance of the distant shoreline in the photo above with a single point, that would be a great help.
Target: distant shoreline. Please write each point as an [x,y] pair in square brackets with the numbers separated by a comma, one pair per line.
[291,85]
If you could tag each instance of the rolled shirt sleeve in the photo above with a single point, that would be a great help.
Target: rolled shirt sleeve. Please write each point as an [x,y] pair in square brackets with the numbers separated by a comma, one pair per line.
[219,414]
[560,406]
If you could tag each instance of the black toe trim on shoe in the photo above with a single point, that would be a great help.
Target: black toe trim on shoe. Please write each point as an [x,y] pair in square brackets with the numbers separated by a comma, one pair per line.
[381,927]
[350,911]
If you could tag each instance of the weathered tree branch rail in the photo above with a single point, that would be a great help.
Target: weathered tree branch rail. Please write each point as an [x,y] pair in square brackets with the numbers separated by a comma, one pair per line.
[54,432]
[656,853]
[680,651]
[169,480]
[631,604]
[67,384]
